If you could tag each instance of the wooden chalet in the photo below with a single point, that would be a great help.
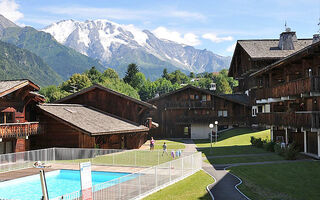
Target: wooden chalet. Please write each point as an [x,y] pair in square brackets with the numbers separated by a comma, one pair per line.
[95,117]
[187,112]
[18,122]
[288,95]
[252,55]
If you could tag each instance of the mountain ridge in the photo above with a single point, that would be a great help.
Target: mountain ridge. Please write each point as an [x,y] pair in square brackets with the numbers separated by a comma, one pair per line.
[104,39]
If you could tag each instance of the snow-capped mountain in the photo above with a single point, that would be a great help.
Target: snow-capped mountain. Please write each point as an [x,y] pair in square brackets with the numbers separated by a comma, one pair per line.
[114,44]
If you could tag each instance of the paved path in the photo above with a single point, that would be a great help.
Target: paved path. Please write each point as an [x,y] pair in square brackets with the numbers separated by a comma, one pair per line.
[223,187]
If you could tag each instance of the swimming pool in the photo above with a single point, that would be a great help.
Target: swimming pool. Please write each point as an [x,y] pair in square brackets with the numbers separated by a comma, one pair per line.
[59,182]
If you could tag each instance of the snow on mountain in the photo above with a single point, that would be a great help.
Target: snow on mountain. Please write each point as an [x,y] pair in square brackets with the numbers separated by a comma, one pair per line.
[114,44]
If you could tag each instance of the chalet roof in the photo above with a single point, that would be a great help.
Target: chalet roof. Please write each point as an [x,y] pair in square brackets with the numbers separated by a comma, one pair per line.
[268,48]
[90,120]
[148,105]
[195,88]
[286,59]
[9,86]
[243,98]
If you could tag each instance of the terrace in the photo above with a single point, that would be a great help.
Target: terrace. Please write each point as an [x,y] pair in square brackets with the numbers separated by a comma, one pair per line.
[19,129]
[292,88]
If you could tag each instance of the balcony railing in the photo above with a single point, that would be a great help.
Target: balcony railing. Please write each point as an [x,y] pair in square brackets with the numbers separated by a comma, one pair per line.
[189,104]
[19,129]
[292,88]
[306,119]
[210,119]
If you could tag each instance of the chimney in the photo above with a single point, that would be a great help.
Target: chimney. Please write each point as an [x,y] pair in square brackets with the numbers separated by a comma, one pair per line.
[316,38]
[287,40]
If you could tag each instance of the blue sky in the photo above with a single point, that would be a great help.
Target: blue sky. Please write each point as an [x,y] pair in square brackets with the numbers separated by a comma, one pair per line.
[208,24]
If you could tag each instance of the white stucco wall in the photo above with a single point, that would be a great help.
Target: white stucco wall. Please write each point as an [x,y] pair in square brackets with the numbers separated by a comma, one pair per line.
[200,131]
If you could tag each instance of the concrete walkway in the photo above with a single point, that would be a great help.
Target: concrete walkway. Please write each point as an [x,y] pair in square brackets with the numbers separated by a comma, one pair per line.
[224,186]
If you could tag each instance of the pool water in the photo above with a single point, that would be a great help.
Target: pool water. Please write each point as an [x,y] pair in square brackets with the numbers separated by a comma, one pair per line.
[59,182]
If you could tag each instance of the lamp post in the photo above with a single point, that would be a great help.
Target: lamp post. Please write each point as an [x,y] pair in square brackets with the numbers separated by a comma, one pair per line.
[211,127]
[216,123]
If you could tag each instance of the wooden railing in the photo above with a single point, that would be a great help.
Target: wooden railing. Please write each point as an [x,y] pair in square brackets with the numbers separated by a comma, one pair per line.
[189,104]
[19,129]
[211,119]
[307,119]
[296,87]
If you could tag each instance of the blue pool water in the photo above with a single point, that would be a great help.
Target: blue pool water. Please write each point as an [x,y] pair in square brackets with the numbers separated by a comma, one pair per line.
[59,182]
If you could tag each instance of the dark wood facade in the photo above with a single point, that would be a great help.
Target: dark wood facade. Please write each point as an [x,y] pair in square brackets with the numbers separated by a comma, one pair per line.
[112,102]
[58,132]
[18,121]
[290,88]
[184,112]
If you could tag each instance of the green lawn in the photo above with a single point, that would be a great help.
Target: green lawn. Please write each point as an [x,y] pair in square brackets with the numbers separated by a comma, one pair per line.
[139,158]
[245,159]
[171,144]
[285,181]
[233,142]
[237,136]
[193,187]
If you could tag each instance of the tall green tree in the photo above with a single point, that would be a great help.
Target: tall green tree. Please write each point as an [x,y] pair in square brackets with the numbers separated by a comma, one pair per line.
[76,83]
[110,73]
[94,75]
[131,72]
[165,74]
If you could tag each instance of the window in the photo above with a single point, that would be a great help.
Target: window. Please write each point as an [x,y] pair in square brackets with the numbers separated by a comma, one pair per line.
[186,130]
[192,96]
[208,97]
[254,111]
[267,108]
[6,117]
[204,97]
[225,113]
[196,96]
[222,113]
[259,109]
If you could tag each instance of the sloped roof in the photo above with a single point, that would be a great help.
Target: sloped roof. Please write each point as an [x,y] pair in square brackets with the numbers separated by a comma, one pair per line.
[9,86]
[286,59]
[107,90]
[195,88]
[90,120]
[268,48]
[243,98]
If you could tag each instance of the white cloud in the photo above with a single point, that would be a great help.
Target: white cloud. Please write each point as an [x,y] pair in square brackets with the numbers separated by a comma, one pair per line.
[215,38]
[9,9]
[231,48]
[188,38]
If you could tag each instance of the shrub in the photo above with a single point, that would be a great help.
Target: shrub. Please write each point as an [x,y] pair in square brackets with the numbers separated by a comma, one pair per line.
[291,152]
[269,146]
[258,142]
[277,148]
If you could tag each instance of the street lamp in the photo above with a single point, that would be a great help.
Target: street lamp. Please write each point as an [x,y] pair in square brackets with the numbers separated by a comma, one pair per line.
[216,123]
[211,127]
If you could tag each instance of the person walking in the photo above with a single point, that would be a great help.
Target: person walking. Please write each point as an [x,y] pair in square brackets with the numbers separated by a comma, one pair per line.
[164,148]
[152,143]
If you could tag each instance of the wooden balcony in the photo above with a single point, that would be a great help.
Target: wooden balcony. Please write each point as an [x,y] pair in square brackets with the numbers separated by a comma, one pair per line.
[19,129]
[211,119]
[305,119]
[189,104]
[292,88]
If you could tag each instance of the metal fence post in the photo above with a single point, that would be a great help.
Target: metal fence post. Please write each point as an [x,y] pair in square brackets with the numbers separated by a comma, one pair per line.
[170,170]
[155,168]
